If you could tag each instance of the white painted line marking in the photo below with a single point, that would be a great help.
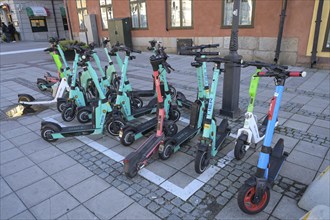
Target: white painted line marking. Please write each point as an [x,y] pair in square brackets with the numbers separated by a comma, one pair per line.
[152,177]
[114,155]
[233,135]
[21,51]
[183,193]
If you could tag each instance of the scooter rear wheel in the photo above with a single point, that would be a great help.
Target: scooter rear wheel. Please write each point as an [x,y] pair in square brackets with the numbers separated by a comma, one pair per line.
[245,199]
[46,132]
[128,137]
[170,129]
[61,104]
[83,116]
[24,98]
[114,126]
[167,151]
[41,85]
[68,114]
[239,150]
[201,161]
[137,102]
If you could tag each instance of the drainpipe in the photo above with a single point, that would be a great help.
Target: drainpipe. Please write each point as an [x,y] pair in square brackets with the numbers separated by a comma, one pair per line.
[317,32]
[68,18]
[55,19]
[280,31]
[166,15]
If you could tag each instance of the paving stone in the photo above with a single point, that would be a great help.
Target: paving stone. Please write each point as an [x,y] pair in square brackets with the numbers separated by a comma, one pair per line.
[227,194]
[168,196]
[232,211]
[153,206]
[26,215]
[273,201]
[186,207]
[4,188]
[311,149]
[90,187]
[130,191]
[178,212]
[34,146]
[161,169]
[177,202]
[226,182]
[15,166]
[79,212]
[144,201]
[24,138]
[56,164]
[222,200]
[322,123]
[109,203]
[301,118]
[55,206]
[10,155]
[10,206]
[39,191]
[6,145]
[25,177]
[304,160]
[297,125]
[135,211]
[319,131]
[163,213]
[70,145]
[288,209]
[72,175]
[45,154]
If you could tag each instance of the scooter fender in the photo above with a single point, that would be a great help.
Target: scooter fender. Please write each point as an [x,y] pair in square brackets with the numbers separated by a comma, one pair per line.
[30,97]
[202,147]
[251,181]
[126,127]
[45,123]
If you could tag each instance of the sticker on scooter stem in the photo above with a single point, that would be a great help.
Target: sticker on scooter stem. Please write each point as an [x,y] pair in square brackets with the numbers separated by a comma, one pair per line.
[272,107]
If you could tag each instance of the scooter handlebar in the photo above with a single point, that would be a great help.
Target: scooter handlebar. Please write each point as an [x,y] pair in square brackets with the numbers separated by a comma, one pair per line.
[260,64]
[192,53]
[201,47]
[212,59]
[285,73]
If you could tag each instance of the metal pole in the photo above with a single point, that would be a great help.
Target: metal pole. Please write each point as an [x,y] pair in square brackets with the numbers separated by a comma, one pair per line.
[68,19]
[55,19]
[317,32]
[232,76]
[280,31]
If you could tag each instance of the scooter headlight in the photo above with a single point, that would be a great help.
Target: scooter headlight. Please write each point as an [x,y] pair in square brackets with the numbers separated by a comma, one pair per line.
[161,146]
[121,133]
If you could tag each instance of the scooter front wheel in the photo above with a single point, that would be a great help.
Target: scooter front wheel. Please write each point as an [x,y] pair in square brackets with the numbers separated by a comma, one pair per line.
[114,126]
[137,102]
[201,161]
[83,116]
[46,133]
[41,84]
[128,138]
[68,114]
[239,150]
[246,196]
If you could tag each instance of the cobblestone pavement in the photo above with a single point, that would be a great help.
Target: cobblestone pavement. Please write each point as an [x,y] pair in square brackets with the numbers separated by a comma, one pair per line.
[82,177]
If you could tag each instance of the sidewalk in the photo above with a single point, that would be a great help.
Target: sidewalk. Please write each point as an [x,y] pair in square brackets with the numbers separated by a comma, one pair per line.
[82,177]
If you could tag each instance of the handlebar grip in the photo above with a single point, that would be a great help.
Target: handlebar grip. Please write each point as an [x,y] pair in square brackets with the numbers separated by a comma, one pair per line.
[136,51]
[297,74]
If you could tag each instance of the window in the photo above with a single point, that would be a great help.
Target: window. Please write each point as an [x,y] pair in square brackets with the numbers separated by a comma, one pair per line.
[65,23]
[106,12]
[82,10]
[180,13]
[38,24]
[245,13]
[139,13]
[326,44]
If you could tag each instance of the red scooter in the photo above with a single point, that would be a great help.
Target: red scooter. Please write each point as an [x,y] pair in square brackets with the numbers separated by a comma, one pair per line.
[139,158]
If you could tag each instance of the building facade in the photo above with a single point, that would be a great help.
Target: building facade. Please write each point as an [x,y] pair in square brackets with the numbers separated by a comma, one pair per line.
[36,20]
[209,21]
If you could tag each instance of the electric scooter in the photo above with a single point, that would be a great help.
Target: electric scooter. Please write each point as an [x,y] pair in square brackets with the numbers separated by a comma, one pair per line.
[252,132]
[51,131]
[129,133]
[48,81]
[127,106]
[197,111]
[254,195]
[181,98]
[138,159]
[213,136]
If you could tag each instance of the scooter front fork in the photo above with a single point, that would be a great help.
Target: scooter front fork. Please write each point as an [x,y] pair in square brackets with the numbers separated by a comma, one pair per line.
[261,186]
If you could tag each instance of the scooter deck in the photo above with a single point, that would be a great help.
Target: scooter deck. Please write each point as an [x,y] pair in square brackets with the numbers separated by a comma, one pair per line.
[221,137]
[147,126]
[277,158]
[144,93]
[184,134]
[78,128]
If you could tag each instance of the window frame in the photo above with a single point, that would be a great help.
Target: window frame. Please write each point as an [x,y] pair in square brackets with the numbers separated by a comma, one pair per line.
[169,17]
[327,30]
[65,24]
[81,9]
[131,2]
[105,6]
[38,29]
[239,25]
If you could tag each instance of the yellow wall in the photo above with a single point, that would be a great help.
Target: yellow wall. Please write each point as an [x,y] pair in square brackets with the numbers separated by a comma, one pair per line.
[325,14]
